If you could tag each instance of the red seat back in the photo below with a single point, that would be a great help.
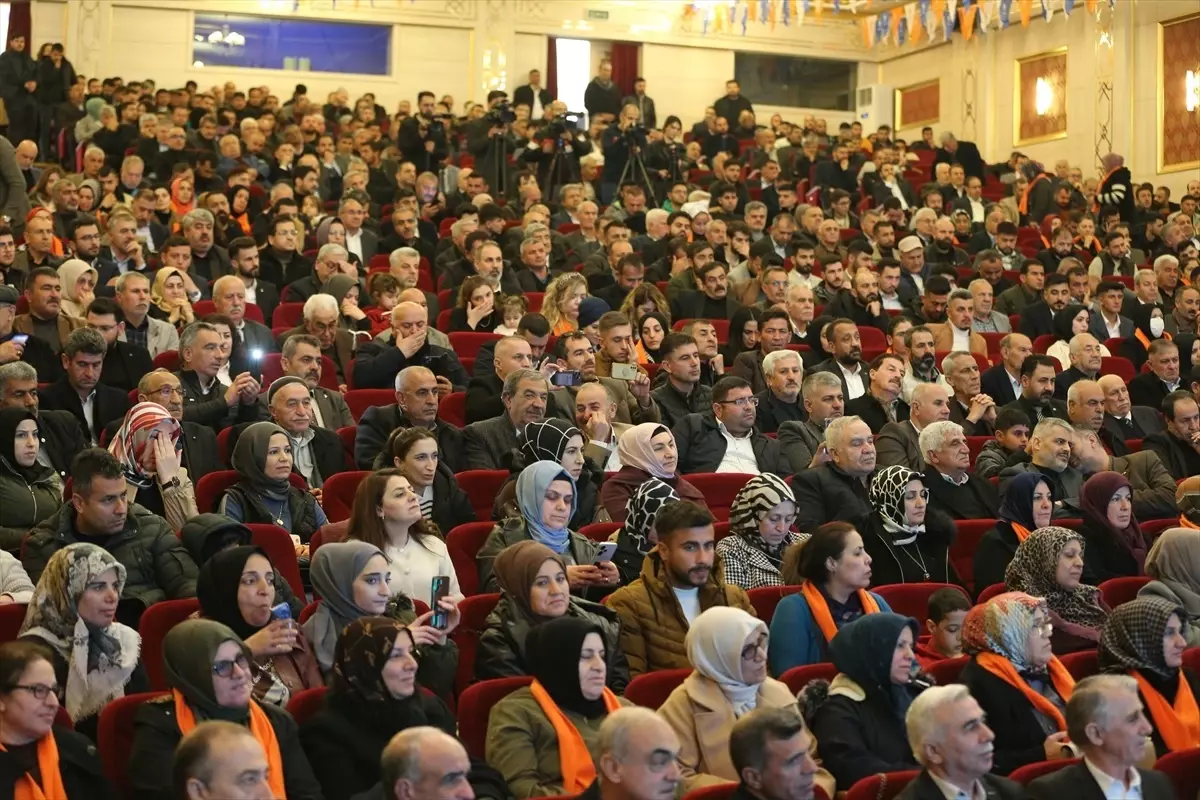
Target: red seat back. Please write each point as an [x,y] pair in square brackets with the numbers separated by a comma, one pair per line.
[155,622]
[990,592]
[464,542]
[651,689]
[797,678]
[1151,528]
[1081,663]
[115,735]
[883,786]
[911,599]
[975,445]
[947,670]
[474,706]
[308,611]
[1116,591]
[12,617]
[348,434]
[359,400]
[482,486]
[281,550]
[766,598]
[467,343]
[1118,365]
[337,496]
[968,534]
[287,315]
[1183,768]
[305,704]
[723,791]
[600,531]
[719,489]
[453,409]
[168,360]
[474,610]
[212,486]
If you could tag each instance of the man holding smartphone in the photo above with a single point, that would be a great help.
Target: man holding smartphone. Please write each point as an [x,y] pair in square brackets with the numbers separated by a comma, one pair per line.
[574,353]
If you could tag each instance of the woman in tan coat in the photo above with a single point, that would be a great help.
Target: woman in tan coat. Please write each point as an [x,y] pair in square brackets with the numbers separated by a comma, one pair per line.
[727,648]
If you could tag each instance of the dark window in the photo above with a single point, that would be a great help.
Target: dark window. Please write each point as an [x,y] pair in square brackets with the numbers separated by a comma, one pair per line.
[773,80]
[228,40]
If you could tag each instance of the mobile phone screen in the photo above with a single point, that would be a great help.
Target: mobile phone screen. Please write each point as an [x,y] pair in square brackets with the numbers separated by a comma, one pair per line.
[440,589]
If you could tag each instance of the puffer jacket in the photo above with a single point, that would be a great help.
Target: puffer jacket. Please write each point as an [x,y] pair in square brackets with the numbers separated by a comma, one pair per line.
[991,459]
[501,652]
[580,549]
[157,565]
[25,504]
[653,626]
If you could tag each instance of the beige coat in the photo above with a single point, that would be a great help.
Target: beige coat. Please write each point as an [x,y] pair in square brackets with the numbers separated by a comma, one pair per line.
[943,340]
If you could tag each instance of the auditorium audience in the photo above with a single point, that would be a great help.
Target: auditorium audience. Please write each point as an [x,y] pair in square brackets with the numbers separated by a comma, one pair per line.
[559,441]
[760,532]
[646,451]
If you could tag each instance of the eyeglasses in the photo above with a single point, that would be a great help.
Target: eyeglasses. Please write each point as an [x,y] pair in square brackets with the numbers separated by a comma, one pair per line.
[224,669]
[40,691]
[741,402]
[1044,629]
[752,650]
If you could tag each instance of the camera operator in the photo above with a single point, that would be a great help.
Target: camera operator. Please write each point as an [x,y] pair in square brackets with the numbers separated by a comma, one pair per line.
[621,141]
[556,148]
[666,157]
[490,141]
[422,138]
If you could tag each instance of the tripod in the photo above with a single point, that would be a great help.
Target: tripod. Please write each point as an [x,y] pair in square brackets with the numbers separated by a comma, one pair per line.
[632,166]
[558,165]
[500,165]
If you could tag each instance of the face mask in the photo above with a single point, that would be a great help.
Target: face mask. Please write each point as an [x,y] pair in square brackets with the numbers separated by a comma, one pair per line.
[1156,327]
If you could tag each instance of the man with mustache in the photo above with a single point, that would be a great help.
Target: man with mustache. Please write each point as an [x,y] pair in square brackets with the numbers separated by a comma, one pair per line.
[898,443]
[45,320]
[882,402]
[201,455]
[781,400]
[844,342]
[678,581]
[862,304]
[922,362]
[837,490]
[1038,375]
[724,438]
[317,452]
[301,359]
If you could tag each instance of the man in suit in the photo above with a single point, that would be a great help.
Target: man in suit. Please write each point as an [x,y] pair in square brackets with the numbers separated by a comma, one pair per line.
[712,301]
[952,486]
[487,443]
[1153,487]
[882,403]
[973,410]
[1084,353]
[79,390]
[780,402]
[483,391]
[724,438]
[954,152]
[1037,399]
[139,328]
[301,359]
[954,745]
[533,95]
[1123,419]
[206,399]
[209,260]
[1037,319]
[244,257]
[1105,721]
[124,363]
[1179,445]
[1110,323]
[1003,382]
[416,405]
[838,488]
[775,333]
[898,443]
[843,340]
[361,241]
[201,454]
[229,298]
[321,315]
[1151,388]
[43,290]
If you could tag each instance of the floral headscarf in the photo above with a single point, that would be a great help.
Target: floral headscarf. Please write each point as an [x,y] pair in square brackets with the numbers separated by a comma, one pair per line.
[1002,626]
[134,436]
[755,500]
[1133,636]
[1033,570]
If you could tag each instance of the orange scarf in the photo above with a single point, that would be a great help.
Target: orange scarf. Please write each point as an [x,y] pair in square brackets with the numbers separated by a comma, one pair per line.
[1145,340]
[1023,206]
[578,771]
[1063,683]
[1179,726]
[260,728]
[820,609]
[1184,522]
[1019,530]
[52,785]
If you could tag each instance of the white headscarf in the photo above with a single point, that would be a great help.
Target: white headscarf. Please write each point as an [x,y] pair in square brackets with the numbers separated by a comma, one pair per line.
[714,647]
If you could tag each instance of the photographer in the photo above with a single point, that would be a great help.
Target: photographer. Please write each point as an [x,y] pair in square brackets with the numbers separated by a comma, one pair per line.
[622,142]
[556,148]
[490,141]
[666,158]
[422,138]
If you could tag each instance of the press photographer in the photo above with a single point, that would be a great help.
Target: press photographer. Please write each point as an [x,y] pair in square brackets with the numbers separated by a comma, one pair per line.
[666,158]
[422,138]
[623,143]
[490,140]
[556,148]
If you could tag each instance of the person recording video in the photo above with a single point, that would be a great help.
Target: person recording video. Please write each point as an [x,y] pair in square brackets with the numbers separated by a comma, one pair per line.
[623,143]
[556,148]
[666,157]
[422,137]
[490,140]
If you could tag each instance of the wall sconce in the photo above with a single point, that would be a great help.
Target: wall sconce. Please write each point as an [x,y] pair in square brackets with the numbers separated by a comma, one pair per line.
[1043,97]
[1191,90]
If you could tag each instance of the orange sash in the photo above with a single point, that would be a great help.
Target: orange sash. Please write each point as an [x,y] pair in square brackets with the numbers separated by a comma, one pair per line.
[1063,683]
[1179,726]
[52,786]
[1023,206]
[820,609]
[1019,530]
[1103,183]
[578,771]
[1145,340]
[260,728]
[1184,522]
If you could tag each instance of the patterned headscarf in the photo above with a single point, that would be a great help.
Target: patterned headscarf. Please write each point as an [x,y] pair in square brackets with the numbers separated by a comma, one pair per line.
[634,449]
[1033,571]
[546,439]
[1094,498]
[642,508]
[133,438]
[1002,626]
[1133,636]
[887,495]
[756,499]
[362,652]
[99,660]
[1175,561]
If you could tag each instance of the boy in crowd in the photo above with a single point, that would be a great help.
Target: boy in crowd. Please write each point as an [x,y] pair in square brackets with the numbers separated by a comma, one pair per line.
[1012,434]
[948,608]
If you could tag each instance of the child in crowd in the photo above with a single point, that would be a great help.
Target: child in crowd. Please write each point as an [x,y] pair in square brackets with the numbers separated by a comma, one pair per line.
[384,291]
[1012,434]
[512,308]
[948,608]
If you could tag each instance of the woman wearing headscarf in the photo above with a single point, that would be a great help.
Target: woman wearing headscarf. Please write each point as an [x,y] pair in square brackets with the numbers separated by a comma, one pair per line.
[554,439]
[760,530]
[546,501]
[544,737]
[208,669]
[636,538]
[646,451]
[183,198]
[1149,322]
[263,458]
[908,541]
[1116,546]
[1013,673]
[29,490]
[351,578]
[89,195]
[1070,321]
[1049,564]
[1028,505]
[87,126]
[236,588]
[1144,639]
[78,279]
[149,445]
[169,298]
[346,290]
[1174,565]
[860,724]
[240,201]
[833,571]
[727,648]
[73,613]
[534,590]
[332,230]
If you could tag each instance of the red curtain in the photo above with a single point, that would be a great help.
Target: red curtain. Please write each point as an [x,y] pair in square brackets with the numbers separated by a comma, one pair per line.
[551,82]
[20,24]
[625,65]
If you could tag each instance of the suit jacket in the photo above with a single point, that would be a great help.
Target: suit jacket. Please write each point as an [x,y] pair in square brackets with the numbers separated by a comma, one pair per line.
[1148,390]
[1077,783]
[266,297]
[1057,409]
[967,154]
[524,94]
[1097,328]
[1066,379]
[24,324]
[748,366]
[994,383]
[109,403]
[257,336]
[377,424]
[160,337]
[702,447]
[995,787]
[62,436]
[897,444]
[483,398]
[341,353]
[691,305]
[1176,456]
[872,412]
[486,443]
[645,105]
[124,365]
[1145,422]
[830,365]
[333,409]
[943,339]
[1036,320]
[959,414]
[966,501]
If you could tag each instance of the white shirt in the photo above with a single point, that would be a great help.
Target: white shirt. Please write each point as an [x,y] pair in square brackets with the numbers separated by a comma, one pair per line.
[689,602]
[739,453]
[952,792]
[89,413]
[854,383]
[1016,382]
[251,291]
[415,565]
[976,210]
[1114,789]
[919,281]
[891,301]
[144,232]
[354,243]
[536,112]
[962,339]
[1113,328]
[613,462]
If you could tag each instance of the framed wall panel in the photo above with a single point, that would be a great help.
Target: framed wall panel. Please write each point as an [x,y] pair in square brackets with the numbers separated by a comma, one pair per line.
[1179,75]
[1040,97]
[919,104]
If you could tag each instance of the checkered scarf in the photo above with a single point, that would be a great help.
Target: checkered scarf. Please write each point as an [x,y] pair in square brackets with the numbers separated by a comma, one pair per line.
[1033,571]
[1133,636]
[546,440]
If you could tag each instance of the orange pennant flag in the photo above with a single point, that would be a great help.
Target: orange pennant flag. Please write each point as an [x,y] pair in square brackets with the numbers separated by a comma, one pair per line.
[1026,9]
[752,11]
[896,17]
[1091,6]
[866,31]
[818,7]
[771,13]
[936,9]
[915,30]
[967,18]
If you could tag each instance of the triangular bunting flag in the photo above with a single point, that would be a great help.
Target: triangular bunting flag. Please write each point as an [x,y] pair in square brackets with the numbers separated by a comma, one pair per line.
[966,16]
[1025,7]
[1005,13]
[1091,6]
[865,24]
[1068,7]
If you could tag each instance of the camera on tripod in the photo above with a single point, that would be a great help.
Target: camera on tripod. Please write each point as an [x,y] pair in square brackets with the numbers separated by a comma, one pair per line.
[567,122]
[435,124]
[636,135]
[501,114]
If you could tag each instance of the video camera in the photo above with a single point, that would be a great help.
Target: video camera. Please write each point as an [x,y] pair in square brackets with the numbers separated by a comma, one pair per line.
[567,122]
[435,124]
[636,135]
[501,114]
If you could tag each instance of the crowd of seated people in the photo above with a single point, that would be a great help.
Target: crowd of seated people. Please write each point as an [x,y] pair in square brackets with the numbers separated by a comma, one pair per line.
[373,435]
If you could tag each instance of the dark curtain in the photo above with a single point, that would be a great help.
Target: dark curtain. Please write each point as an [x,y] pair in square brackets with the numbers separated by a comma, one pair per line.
[20,24]
[625,65]
[552,66]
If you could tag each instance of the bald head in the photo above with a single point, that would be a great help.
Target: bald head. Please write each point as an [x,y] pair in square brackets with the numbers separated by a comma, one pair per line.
[26,154]
[413,296]
[424,762]
[1085,353]
[930,404]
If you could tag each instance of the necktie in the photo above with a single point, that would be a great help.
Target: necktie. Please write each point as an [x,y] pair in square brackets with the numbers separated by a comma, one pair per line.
[890,410]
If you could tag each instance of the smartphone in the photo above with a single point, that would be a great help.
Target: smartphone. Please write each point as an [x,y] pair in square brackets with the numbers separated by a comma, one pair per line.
[20,338]
[439,590]
[429,195]
[605,553]
[625,372]
[566,377]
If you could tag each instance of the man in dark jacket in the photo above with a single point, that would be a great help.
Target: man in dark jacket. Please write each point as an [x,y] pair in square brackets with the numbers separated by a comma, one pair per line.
[79,391]
[1116,189]
[724,439]
[952,487]
[416,406]
[377,363]
[1037,399]
[683,392]
[732,104]
[124,363]
[1178,447]
[527,94]
[483,391]
[1151,388]
[18,83]
[60,432]
[201,454]
[602,95]
[1037,319]
[780,402]
[205,399]
[157,565]
[487,443]
[838,488]
[953,152]
[882,402]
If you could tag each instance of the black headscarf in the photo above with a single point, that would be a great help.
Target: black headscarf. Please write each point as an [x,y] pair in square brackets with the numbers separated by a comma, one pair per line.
[1140,314]
[1065,318]
[10,418]
[217,588]
[552,650]
[865,656]
[250,459]
[815,341]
